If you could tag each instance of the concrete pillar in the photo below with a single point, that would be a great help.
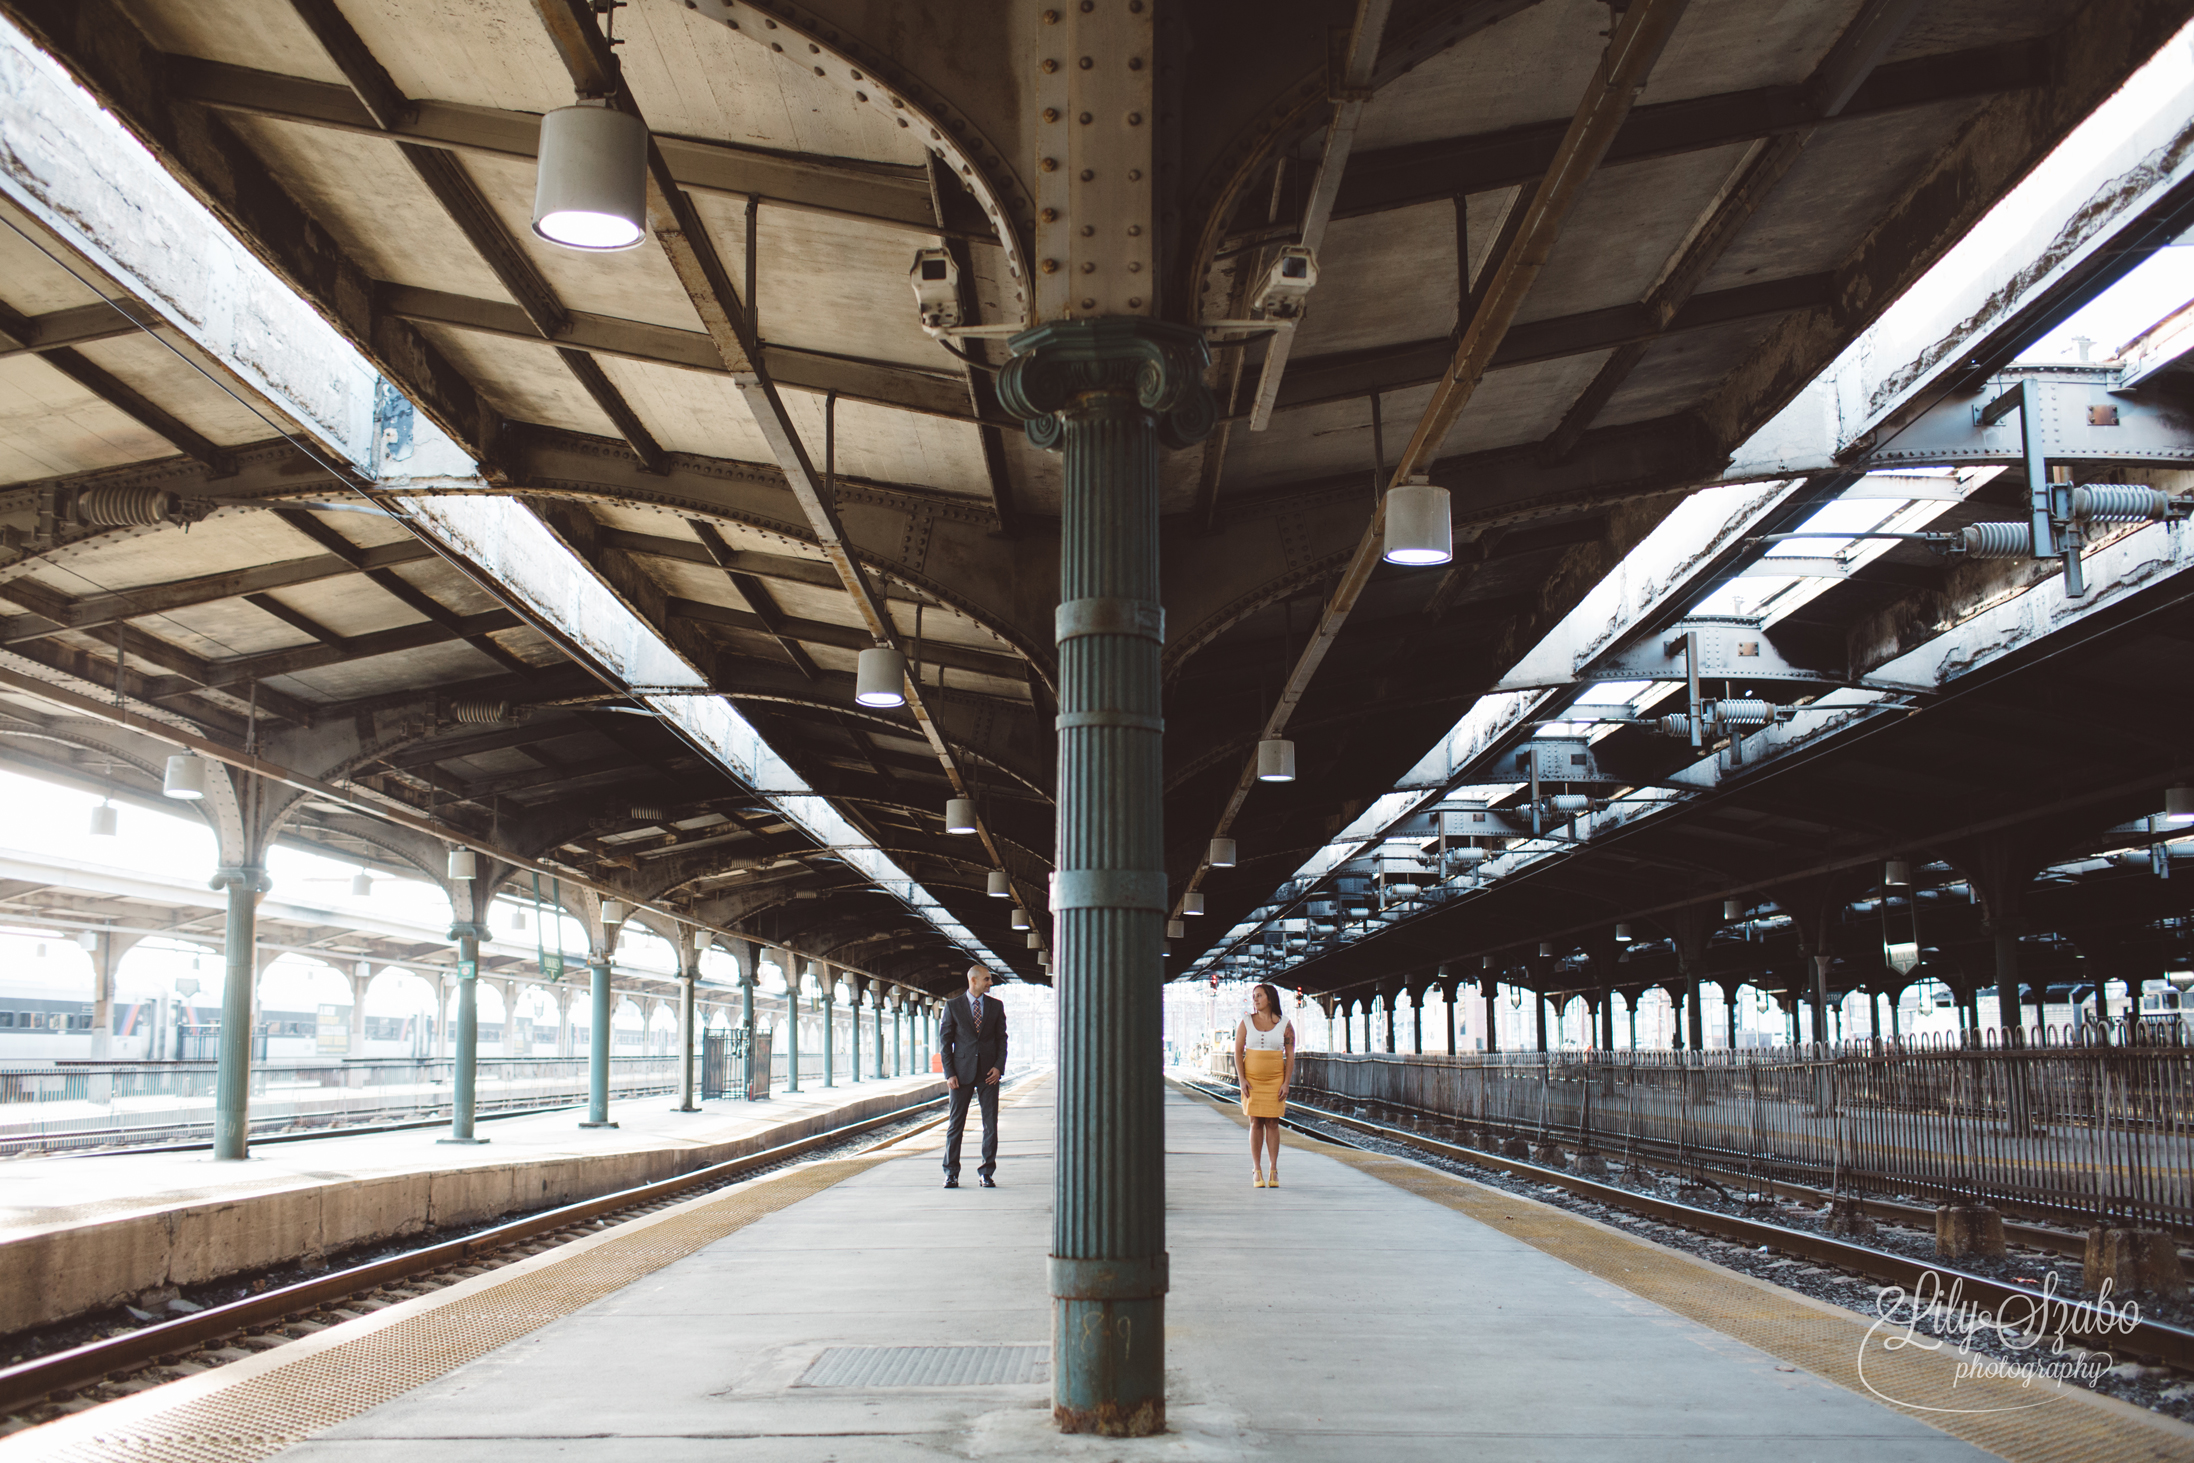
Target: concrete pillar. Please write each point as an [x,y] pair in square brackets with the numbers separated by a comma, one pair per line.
[232,1080]
[598,1013]
[465,1084]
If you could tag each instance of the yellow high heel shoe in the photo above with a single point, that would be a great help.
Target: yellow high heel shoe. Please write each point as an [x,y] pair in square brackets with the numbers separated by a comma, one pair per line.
[1259,1181]
[1273,1182]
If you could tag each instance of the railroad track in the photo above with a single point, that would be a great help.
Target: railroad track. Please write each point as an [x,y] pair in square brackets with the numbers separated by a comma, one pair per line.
[2172,1345]
[86,1376]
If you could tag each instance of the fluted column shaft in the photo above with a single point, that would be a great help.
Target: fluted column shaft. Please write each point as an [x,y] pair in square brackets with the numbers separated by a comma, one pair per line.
[1106,392]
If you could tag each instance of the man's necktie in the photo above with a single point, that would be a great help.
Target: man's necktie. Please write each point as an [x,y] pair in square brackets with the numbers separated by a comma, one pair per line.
[978,1007]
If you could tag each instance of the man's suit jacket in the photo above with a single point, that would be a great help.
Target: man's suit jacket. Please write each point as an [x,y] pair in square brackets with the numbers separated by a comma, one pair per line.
[966,1055]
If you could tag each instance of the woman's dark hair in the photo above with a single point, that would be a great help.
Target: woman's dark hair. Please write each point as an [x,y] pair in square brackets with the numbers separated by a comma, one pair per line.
[1272,995]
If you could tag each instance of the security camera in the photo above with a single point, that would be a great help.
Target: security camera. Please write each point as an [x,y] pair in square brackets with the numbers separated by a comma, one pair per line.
[1291,277]
[936,281]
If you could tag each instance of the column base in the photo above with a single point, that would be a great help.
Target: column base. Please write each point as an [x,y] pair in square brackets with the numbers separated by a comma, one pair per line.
[597,1125]
[1102,1381]
[685,1109]
[466,1142]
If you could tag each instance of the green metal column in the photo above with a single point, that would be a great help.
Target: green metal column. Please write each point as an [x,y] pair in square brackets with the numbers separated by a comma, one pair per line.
[853,1043]
[598,1046]
[232,1081]
[899,1040]
[883,1069]
[1492,989]
[792,1027]
[687,980]
[747,973]
[465,1083]
[1110,392]
[830,1033]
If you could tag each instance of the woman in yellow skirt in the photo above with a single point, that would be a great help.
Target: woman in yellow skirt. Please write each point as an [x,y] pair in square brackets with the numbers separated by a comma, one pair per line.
[1264,1059]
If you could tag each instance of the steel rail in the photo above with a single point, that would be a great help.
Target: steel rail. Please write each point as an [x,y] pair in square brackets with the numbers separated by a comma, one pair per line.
[2172,1344]
[24,1384]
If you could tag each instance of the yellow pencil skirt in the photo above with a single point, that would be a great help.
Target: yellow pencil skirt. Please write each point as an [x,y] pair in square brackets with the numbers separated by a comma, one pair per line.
[1261,1074]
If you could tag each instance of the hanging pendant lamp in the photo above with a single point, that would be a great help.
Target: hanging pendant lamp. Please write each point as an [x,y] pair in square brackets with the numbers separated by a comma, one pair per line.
[186,777]
[590,187]
[1419,531]
[880,678]
[1275,760]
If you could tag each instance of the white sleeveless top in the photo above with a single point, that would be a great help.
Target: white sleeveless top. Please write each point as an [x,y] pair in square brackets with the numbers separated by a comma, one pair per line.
[1274,1040]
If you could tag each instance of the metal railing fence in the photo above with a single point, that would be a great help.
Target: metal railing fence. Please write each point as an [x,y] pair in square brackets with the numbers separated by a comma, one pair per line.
[2089,1127]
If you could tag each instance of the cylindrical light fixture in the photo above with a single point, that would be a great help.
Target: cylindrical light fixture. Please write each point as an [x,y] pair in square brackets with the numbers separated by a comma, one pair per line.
[1176,929]
[1222,853]
[613,911]
[1897,874]
[1622,934]
[2179,803]
[1418,530]
[1043,959]
[463,864]
[959,816]
[1275,760]
[590,188]
[361,884]
[1035,941]
[1733,909]
[1192,902]
[999,886]
[1546,947]
[87,940]
[880,679]
[186,777]
[1020,918]
[105,821]
[518,921]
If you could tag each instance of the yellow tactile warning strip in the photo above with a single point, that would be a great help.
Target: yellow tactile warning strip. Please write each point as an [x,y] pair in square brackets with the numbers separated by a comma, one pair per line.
[2011,1421]
[254,1409]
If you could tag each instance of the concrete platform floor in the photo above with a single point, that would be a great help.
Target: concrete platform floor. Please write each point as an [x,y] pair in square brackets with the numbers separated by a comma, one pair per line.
[1370,1308]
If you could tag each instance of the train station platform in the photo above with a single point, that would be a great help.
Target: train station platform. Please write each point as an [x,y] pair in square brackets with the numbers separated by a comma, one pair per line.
[79,1232]
[853,1310]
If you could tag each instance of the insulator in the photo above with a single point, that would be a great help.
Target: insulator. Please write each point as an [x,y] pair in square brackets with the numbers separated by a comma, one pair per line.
[124,506]
[476,710]
[2119,503]
[1743,713]
[1997,541]
[1470,854]
[643,813]
[1678,725]
[1570,802]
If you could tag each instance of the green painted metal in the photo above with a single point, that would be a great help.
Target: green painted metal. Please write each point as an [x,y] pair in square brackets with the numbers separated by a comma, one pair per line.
[830,1044]
[1109,393]
[598,1045]
[464,1083]
[232,1078]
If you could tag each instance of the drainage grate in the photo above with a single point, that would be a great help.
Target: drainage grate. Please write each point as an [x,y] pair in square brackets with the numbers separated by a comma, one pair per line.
[928,1366]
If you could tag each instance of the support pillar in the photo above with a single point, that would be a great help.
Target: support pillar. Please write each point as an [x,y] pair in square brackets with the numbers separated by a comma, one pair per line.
[1417,1023]
[749,968]
[232,1079]
[792,1025]
[1538,1002]
[853,1040]
[1109,391]
[830,1032]
[1492,989]
[899,1037]
[360,978]
[1387,1001]
[883,1068]
[464,1094]
[564,994]
[688,979]
[1449,1007]
[598,1044]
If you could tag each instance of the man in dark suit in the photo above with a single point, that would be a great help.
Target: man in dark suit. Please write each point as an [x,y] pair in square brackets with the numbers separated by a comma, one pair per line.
[971,1039]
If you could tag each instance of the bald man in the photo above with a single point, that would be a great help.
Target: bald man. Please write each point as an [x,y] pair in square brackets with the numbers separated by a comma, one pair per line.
[971,1040]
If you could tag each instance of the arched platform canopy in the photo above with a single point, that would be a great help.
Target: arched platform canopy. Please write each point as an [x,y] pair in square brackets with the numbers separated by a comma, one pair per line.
[1567,302]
